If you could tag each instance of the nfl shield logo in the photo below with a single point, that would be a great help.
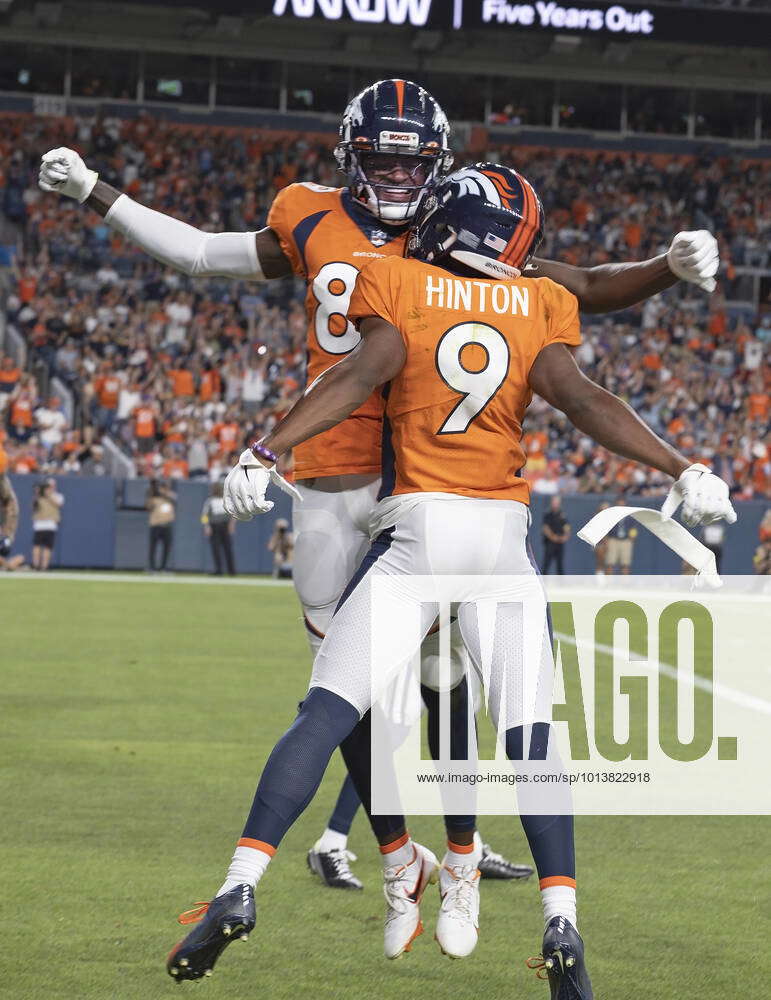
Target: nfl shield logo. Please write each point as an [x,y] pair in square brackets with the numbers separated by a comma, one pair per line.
[377,238]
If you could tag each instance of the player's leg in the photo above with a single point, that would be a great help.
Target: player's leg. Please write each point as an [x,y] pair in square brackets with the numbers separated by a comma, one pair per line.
[408,867]
[461,830]
[519,676]
[330,543]
[340,692]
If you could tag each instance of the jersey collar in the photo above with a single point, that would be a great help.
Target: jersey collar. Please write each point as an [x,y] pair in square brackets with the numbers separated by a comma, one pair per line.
[377,232]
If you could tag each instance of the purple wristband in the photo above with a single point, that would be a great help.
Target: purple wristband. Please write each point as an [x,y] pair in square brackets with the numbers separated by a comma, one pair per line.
[260,451]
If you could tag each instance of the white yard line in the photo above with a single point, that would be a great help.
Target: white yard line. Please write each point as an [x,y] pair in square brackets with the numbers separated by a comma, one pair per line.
[722,691]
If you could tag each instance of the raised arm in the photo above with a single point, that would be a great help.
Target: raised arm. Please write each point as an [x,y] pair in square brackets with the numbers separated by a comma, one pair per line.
[692,257]
[196,253]
[604,417]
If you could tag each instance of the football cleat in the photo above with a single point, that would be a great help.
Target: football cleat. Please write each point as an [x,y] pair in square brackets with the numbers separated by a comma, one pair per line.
[457,928]
[226,918]
[333,869]
[493,865]
[403,887]
[562,961]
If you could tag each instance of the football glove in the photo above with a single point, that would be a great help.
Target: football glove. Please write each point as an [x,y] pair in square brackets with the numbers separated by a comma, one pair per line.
[694,257]
[63,171]
[704,497]
[5,546]
[245,486]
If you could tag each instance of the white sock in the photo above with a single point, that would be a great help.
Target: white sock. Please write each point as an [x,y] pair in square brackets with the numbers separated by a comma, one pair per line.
[454,857]
[559,901]
[331,840]
[247,866]
[401,855]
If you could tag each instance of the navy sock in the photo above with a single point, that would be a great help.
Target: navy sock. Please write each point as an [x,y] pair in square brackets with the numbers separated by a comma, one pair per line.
[459,732]
[347,804]
[357,749]
[297,764]
[551,838]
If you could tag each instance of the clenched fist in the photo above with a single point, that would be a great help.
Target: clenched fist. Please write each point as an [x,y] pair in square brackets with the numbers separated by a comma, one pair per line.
[63,171]
[694,257]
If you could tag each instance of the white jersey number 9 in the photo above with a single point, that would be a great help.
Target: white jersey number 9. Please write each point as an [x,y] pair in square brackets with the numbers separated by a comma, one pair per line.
[477,387]
[332,288]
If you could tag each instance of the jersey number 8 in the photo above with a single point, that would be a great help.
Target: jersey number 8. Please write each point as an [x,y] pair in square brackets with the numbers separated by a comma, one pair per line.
[478,386]
[332,288]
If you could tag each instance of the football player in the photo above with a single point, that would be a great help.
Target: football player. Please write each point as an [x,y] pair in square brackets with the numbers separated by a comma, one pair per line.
[394,146]
[463,341]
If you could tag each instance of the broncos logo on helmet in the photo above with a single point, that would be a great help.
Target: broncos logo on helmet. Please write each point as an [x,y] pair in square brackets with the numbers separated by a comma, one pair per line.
[486,217]
[393,147]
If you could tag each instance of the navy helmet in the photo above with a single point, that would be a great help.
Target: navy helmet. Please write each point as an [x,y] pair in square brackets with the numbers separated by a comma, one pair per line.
[486,217]
[393,147]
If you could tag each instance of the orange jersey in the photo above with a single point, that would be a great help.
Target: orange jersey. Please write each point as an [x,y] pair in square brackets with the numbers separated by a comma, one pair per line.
[453,420]
[107,391]
[328,239]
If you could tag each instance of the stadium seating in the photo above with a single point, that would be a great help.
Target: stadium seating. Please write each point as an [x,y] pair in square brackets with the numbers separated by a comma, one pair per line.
[180,373]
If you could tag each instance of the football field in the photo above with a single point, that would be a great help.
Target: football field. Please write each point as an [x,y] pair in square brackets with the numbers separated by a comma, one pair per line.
[136,719]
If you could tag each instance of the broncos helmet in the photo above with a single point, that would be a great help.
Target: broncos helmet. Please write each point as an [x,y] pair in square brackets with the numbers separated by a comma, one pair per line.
[486,217]
[390,119]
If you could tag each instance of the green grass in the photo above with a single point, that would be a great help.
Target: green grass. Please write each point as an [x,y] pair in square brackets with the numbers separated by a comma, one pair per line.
[135,720]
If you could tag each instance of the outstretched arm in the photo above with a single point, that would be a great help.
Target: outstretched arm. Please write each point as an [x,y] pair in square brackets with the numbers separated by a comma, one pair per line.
[174,243]
[692,257]
[604,417]
[343,388]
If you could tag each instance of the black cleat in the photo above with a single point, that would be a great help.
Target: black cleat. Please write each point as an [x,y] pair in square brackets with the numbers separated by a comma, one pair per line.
[226,918]
[563,962]
[495,865]
[333,869]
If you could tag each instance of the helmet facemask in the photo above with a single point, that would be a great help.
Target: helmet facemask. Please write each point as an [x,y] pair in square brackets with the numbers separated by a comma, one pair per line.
[391,185]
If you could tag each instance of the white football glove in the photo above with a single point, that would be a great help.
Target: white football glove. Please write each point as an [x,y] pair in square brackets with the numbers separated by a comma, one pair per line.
[245,486]
[704,497]
[694,257]
[63,171]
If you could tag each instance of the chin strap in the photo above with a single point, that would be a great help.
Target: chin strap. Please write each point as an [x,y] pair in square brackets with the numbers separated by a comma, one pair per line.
[670,532]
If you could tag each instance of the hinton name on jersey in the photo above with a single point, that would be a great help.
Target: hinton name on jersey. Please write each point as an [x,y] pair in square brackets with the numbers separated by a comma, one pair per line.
[471,344]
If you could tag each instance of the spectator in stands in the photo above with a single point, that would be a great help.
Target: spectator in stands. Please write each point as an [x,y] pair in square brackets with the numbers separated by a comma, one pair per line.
[21,409]
[620,549]
[46,517]
[281,544]
[10,373]
[218,527]
[51,423]
[556,531]
[162,505]
[107,388]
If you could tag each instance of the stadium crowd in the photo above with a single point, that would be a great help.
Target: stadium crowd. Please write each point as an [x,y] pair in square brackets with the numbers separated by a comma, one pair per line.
[180,373]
